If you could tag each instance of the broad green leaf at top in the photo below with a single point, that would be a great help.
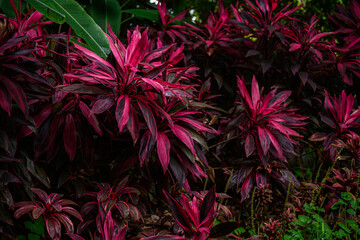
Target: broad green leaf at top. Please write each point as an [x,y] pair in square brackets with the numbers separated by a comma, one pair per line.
[105,12]
[83,25]
[150,14]
[46,8]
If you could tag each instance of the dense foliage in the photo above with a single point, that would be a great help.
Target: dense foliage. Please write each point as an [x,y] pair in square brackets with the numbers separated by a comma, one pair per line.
[244,125]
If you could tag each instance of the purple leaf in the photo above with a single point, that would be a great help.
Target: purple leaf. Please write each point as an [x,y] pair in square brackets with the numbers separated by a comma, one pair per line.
[75,236]
[102,105]
[41,194]
[180,215]
[247,186]
[146,145]
[207,206]
[249,145]
[122,111]
[70,139]
[91,118]
[264,140]
[78,88]
[148,116]
[53,228]
[184,136]
[163,150]
[17,94]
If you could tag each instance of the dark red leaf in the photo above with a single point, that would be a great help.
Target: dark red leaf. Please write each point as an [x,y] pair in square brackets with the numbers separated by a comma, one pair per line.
[148,116]
[264,140]
[102,105]
[41,194]
[70,138]
[7,177]
[249,145]
[53,228]
[223,229]
[184,136]
[122,111]
[247,186]
[17,94]
[81,89]
[179,214]
[75,236]
[91,118]
[163,150]
[207,206]
[146,145]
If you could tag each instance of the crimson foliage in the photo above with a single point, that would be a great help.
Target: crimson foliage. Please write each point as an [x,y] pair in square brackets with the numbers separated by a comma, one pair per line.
[74,122]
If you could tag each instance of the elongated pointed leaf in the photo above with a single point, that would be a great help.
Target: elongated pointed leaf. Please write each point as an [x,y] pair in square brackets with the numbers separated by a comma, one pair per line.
[46,8]
[83,25]
[149,117]
[207,206]
[17,94]
[150,14]
[105,13]
[184,136]
[178,212]
[69,136]
[7,177]
[122,111]
[75,236]
[163,150]
[146,145]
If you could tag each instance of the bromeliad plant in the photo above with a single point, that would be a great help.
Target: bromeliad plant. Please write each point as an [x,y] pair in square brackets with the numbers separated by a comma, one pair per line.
[54,210]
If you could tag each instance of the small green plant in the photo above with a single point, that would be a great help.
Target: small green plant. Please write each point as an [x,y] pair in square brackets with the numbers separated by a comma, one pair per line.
[314,226]
[36,228]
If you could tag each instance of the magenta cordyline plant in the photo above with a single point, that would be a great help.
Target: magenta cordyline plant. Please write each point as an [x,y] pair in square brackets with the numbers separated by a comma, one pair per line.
[345,180]
[171,31]
[347,19]
[348,62]
[108,200]
[20,60]
[350,143]
[348,34]
[194,217]
[304,42]
[145,92]
[341,117]
[54,210]
[265,125]
[262,16]
[109,231]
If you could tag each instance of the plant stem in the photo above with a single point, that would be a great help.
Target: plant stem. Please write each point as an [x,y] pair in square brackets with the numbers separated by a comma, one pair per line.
[252,209]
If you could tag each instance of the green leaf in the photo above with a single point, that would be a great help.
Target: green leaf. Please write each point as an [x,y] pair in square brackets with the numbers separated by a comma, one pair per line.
[179,6]
[7,9]
[351,211]
[106,12]
[32,236]
[302,220]
[21,237]
[346,196]
[46,8]
[150,14]
[38,226]
[83,25]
